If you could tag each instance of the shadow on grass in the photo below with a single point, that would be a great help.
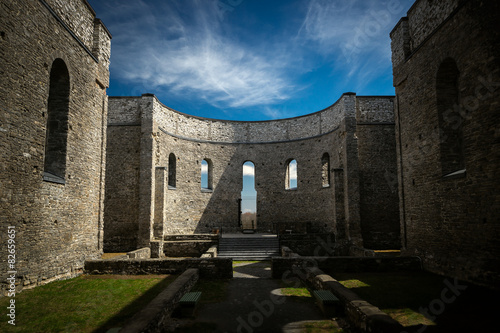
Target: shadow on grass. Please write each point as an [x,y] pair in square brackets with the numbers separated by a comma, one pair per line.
[132,308]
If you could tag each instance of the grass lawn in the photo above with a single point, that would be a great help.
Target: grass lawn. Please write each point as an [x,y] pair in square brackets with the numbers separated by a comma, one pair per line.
[322,327]
[88,303]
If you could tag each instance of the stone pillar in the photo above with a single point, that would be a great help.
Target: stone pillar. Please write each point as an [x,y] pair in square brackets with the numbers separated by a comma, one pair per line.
[159,205]
[351,171]
[157,249]
[146,201]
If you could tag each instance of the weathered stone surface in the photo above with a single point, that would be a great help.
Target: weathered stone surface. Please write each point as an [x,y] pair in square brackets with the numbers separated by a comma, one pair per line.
[210,268]
[452,223]
[144,253]
[58,225]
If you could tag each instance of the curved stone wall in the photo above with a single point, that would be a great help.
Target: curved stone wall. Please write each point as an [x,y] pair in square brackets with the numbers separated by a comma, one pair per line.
[144,135]
[220,131]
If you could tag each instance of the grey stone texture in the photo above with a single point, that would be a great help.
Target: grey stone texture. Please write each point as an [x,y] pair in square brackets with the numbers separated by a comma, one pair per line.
[145,137]
[450,221]
[209,268]
[58,220]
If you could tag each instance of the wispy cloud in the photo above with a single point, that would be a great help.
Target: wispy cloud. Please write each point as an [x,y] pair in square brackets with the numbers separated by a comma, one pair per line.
[186,50]
[355,34]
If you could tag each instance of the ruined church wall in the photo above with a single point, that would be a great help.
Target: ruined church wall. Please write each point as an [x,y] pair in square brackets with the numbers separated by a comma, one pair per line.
[58,226]
[356,133]
[123,151]
[379,208]
[204,129]
[270,145]
[451,222]
[189,209]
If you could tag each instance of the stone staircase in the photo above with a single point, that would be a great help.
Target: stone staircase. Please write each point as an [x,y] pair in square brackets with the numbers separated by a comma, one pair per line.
[249,248]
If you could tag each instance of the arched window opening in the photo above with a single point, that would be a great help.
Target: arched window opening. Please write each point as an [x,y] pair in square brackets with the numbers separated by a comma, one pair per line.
[248,212]
[450,120]
[206,175]
[56,135]
[172,170]
[291,175]
[325,170]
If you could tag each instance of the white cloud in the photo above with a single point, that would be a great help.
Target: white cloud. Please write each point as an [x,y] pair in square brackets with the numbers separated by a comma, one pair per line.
[248,170]
[191,53]
[204,167]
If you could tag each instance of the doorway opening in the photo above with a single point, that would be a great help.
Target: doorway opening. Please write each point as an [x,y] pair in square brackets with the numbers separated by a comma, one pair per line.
[248,212]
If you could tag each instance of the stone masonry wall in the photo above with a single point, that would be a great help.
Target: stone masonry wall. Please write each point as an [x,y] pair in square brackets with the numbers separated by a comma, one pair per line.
[58,226]
[379,211]
[451,222]
[121,203]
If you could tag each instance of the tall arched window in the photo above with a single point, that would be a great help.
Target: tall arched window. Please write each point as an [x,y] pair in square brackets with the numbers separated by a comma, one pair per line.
[450,120]
[206,175]
[172,170]
[291,175]
[56,135]
[325,170]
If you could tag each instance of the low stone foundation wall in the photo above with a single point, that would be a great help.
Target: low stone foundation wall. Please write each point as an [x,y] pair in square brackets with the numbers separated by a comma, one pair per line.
[281,266]
[193,248]
[286,252]
[356,251]
[153,317]
[360,313]
[313,244]
[209,268]
[211,252]
[191,237]
[188,245]
[144,253]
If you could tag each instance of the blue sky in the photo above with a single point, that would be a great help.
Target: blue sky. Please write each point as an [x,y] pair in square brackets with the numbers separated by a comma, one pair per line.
[250,59]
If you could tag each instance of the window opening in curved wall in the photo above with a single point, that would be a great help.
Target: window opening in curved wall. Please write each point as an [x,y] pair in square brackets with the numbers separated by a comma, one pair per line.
[325,170]
[291,175]
[57,123]
[206,175]
[450,120]
[172,170]
[248,213]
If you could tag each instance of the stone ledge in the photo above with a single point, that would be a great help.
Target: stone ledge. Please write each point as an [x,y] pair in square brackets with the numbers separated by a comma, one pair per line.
[211,252]
[153,317]
[209,268]
[363,315]
[144,253]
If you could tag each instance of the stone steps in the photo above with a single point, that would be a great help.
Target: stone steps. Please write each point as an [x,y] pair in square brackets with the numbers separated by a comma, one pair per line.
[248,248]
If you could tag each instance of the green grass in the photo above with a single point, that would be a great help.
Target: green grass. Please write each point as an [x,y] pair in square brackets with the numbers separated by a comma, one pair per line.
[322,326]
[300,292]
[239,262]
[82,304]
[399,294]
